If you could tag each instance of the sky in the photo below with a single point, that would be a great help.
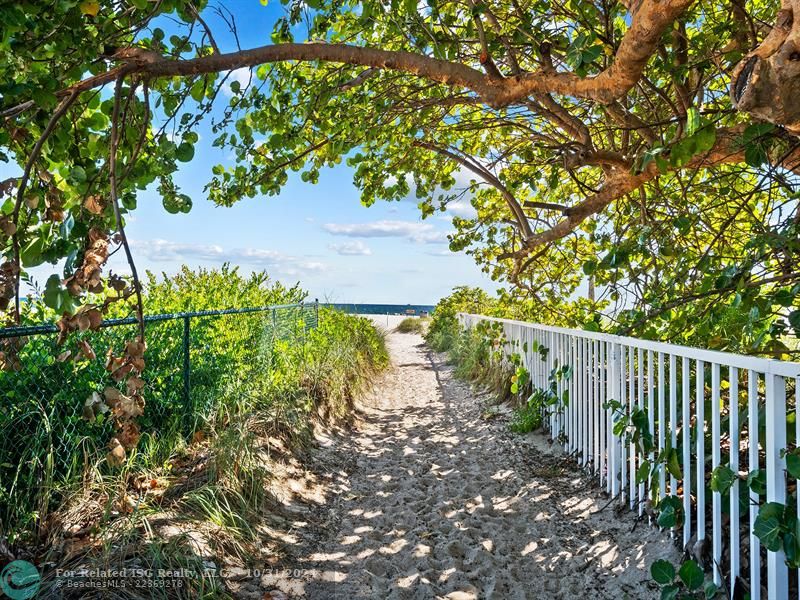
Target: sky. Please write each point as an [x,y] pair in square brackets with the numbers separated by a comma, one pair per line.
[319,235]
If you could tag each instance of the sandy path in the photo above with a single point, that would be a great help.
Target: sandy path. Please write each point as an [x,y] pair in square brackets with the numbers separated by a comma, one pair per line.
[440,503]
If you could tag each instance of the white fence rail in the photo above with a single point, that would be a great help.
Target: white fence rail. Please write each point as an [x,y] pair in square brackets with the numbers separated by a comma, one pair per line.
[678,387]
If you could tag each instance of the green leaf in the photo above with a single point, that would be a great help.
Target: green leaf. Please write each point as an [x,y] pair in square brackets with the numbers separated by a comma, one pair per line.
[177,203]
[722,478]
[793,463]
[794,321]
[791,543]
[705,138]
[31,254]
[673,464]
[784,297]
[670,592]
[667,517]
[662,572]
[643,472]
[184,152]
[692,120]
[691,574]
[710,590]
[757,481]
[755,155]
[89,7]
[55,296]
[77,174]
[768,530]
[757,130]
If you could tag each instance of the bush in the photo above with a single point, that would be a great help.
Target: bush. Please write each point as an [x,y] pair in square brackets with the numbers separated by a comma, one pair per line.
[529,416]
[411,325]
[257,372]
[444,328]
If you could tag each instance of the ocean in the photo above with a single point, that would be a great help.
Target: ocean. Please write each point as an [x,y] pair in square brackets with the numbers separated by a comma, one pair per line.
[383,309]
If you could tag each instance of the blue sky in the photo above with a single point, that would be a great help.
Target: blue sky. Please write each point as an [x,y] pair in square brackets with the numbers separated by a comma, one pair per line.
[319,234]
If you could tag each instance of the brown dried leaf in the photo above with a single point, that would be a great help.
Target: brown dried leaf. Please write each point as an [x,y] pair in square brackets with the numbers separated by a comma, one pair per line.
[54,214]
[134,350]
[135,384]
[122,372]
[93,406]
[117,283]
[83,322]
[116,454]
[124,407]
[95,318]
[129,434]
[7,226]
[112,395]
[94,204]
[87,350]
[9,361]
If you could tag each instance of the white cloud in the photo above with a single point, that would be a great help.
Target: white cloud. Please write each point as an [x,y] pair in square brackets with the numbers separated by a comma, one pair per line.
[243,75]
[462,208]
[424,233]
[442,252]
[272,260]
[357,248]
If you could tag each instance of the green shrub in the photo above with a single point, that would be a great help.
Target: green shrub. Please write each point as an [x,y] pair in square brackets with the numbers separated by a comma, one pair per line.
[257,372]
[443,330]
[411,325]
[529,416]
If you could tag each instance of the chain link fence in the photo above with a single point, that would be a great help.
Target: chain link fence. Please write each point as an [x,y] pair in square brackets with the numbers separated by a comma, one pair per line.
[193,359]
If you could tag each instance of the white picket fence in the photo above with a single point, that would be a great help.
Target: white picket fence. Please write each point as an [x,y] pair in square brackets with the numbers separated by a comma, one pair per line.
[663,379]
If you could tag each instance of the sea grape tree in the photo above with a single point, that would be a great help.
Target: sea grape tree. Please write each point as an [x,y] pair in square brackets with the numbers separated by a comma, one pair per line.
[641,155]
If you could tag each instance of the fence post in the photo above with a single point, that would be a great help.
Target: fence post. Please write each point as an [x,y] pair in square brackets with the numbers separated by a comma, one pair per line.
[775,442]
[187,389]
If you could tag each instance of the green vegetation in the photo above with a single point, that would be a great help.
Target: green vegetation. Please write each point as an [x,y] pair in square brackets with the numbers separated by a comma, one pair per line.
[444,330]
[641,179]
[475,353]
[530,415]
[252,375]
[412,325]
[686,583]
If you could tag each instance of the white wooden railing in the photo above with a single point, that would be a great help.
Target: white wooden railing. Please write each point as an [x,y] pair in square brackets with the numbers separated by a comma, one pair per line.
[663,380]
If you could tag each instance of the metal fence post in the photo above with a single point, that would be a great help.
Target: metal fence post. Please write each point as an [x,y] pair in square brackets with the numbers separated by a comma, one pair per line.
[187,389]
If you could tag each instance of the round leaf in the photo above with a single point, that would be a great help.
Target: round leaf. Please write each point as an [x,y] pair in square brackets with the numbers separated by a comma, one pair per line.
[691,574]
[184,152]
[662,572]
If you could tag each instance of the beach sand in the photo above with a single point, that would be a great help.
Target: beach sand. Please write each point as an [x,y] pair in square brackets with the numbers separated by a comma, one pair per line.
[434,500]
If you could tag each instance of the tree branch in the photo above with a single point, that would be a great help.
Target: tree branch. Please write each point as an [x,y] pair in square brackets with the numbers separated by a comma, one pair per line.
[22,186]
[112,167]
[511,201]
[635,50]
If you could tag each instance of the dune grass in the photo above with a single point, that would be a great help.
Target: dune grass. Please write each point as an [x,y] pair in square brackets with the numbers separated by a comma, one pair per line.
[412,325]
[209,473]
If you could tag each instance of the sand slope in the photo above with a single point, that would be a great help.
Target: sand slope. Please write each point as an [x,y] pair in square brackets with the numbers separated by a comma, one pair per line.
[437,502]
